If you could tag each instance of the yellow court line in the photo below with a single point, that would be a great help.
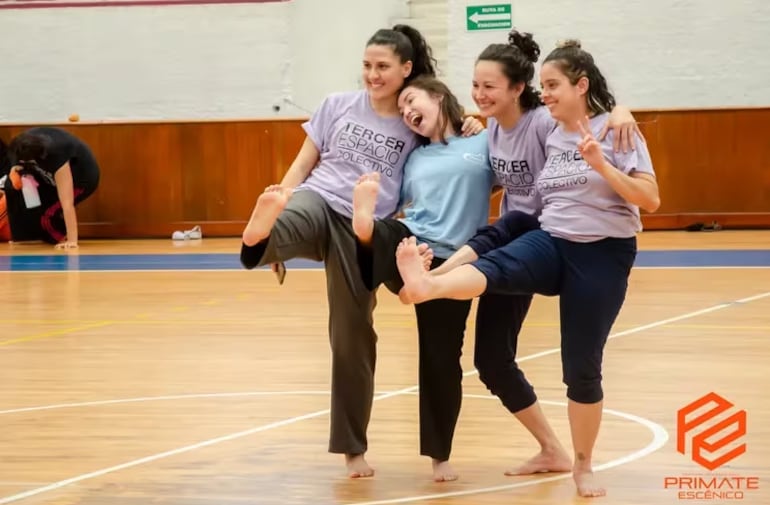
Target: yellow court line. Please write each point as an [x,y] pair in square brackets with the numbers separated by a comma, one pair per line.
[55,333]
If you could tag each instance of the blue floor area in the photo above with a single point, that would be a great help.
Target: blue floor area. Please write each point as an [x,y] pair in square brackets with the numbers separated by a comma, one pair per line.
[112,262]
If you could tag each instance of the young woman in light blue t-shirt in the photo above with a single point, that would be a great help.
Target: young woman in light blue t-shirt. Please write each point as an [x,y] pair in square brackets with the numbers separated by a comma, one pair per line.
[445,199]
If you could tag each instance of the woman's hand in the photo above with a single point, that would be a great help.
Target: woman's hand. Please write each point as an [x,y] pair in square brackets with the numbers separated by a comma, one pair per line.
[471,127]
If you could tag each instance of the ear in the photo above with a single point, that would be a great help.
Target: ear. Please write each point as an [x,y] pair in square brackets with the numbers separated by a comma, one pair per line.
[518,88]
[407,69]
[582,85]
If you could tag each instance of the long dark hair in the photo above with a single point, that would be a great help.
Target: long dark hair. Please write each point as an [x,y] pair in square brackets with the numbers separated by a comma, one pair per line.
[517,58]
[575,63]
[409,45]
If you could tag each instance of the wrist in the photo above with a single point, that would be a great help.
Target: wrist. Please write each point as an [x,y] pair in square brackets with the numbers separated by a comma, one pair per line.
[603,167]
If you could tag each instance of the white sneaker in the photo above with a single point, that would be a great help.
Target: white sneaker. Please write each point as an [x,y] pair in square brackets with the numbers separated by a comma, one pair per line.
[193,234]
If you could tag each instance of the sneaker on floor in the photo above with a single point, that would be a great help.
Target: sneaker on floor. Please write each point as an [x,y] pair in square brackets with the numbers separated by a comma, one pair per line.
[193,234]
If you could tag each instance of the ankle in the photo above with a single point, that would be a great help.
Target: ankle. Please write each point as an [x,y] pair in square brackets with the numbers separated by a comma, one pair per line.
[582,463]
[551,447]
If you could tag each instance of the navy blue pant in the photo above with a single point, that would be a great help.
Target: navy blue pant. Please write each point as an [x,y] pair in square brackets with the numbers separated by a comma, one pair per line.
[499,318]
[591,279]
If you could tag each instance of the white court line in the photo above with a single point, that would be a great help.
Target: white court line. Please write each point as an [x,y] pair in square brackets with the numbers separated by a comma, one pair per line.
[160,398]
[240,434]
[659,439]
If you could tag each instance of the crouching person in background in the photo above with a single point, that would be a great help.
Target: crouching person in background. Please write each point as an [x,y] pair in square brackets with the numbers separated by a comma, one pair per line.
[51,172]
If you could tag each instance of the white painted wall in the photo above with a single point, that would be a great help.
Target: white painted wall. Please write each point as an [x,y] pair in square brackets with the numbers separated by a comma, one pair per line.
[654,53]
[239,60]
[181,62]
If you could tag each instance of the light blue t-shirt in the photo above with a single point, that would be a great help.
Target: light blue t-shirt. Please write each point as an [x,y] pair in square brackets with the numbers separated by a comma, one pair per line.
[445,192]
[354,140]
[578,202]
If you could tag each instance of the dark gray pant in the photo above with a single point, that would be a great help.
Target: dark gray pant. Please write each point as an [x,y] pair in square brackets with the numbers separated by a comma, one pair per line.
[309,228]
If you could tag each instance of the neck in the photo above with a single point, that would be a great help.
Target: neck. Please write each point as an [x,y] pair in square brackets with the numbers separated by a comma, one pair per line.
[385,106]
[510,118]
[571,124]
[448,132]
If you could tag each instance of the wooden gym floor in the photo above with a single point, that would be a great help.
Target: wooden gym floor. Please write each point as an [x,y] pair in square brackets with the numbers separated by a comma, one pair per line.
[144,372]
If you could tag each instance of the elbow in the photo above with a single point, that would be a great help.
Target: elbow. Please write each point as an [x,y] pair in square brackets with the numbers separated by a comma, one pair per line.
[652,204]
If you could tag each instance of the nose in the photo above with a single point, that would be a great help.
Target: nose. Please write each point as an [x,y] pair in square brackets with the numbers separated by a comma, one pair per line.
[373,74]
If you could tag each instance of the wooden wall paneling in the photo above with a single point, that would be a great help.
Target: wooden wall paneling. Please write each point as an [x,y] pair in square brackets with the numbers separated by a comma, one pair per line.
[158,177]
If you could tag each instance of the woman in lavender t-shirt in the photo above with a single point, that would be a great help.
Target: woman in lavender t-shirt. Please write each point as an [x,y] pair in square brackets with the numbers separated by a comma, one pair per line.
[309,216]
[583,253]
[518,125]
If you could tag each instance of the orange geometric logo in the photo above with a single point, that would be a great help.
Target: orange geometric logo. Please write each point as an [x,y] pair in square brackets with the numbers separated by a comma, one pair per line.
[702,446]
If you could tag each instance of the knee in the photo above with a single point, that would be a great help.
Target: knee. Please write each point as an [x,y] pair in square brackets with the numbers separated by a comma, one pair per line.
[505,380]
[520,222]
[583,381]
[252,255]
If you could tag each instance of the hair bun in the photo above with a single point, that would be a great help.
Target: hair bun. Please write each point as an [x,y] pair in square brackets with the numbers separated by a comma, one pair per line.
[564,44]
[525,43]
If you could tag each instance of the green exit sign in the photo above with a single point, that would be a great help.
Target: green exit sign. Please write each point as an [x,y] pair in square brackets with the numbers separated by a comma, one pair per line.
[488,17]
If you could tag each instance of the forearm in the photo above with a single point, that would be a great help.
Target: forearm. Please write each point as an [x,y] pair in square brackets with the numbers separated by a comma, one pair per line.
[295,176]
[302,165]
[637,191]
[71,223]
[463,255]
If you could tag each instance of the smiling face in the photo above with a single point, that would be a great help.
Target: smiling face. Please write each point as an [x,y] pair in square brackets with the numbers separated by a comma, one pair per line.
[383,73]
[492,91]
[421,111]
[565,100]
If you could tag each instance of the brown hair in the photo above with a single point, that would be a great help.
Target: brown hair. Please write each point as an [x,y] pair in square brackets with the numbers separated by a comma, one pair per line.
[574,62]
[517,59]
[451,112]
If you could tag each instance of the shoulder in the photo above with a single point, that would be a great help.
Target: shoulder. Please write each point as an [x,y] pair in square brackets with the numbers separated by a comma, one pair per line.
[343,98]
[479,142]
[543,120]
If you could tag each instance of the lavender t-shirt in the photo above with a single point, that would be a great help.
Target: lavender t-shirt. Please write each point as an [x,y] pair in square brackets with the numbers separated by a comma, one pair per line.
[578,202]
[353,140]
[517,156]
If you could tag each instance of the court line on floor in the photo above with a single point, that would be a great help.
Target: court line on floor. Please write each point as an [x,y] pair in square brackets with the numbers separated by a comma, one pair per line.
[659,439]
[390,324]
[55,333]
[319,413]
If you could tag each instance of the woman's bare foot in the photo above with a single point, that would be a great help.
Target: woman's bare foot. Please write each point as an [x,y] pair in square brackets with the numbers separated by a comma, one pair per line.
[410,266]
[364,203]
[357,466]
[269,206]
[443,471]
[585,482]
[426,253]
[545,461]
